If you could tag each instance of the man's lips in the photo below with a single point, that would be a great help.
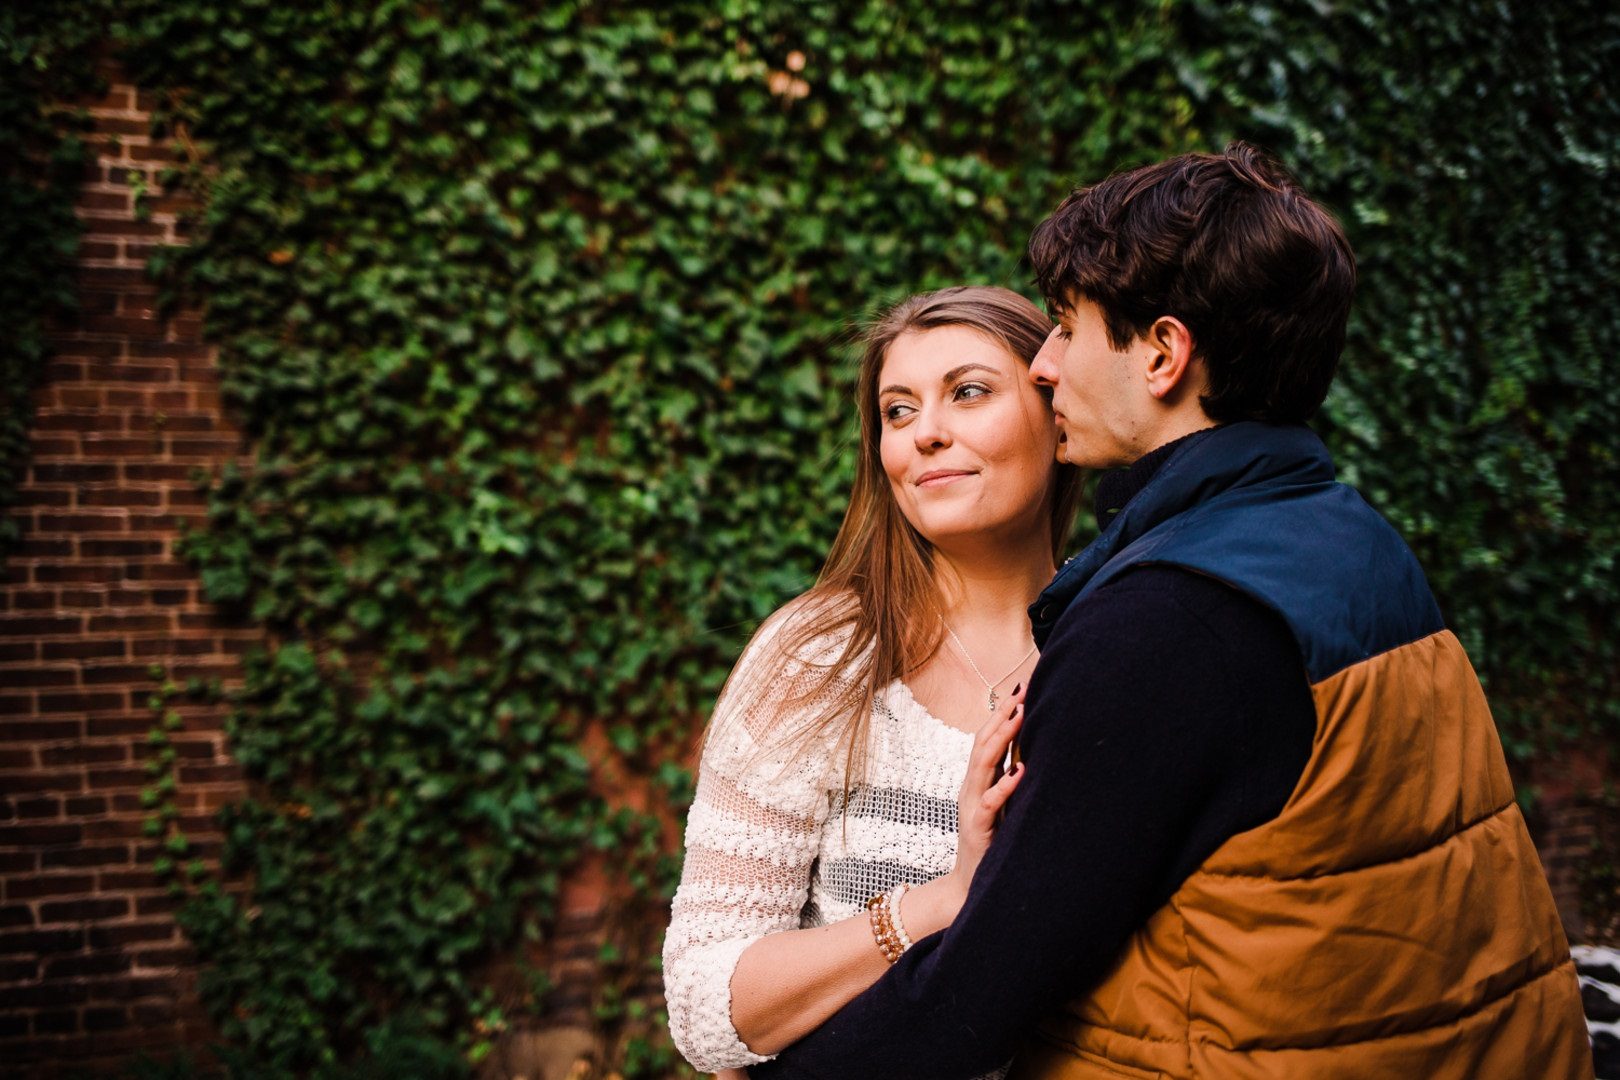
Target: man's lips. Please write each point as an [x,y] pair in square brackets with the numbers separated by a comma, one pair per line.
[940,477]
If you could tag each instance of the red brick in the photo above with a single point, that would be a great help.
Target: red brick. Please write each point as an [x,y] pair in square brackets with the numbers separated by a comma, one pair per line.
[56,1022]
[120,497]
[42,942]
[103,779]
[85,805]
[43,730]
[13,651]
[83,598]
[150,1013]
[110,880]
[203,774]
[177,646]
[159,152]
[120,725]
[118,446]
[39,808]
[84,910]
[71,967]
[15,705]
[40,834]
[89,701]
[106,1019]
[84,754]
[108,227]
[16,915]
[80,650]
[12,971]
[19,862]
[40,624]
[47,885]
[83,575]
[120,548]
[177,956]
[43,547]
[121,934]
[141,471]
[101,674]
[82,523]
[134,987]
[40,676]
[69,781]
[155,905]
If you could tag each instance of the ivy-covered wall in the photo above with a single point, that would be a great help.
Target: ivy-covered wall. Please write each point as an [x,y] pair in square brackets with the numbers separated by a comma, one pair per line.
[537,317]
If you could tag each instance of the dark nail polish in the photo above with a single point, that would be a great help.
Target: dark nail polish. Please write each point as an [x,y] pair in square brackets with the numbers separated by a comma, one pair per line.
[1017,687]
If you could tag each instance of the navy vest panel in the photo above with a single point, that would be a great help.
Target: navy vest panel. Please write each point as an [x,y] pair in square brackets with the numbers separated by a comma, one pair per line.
[1316,553]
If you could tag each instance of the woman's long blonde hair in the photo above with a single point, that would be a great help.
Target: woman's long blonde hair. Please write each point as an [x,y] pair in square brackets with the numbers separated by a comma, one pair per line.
[877,593]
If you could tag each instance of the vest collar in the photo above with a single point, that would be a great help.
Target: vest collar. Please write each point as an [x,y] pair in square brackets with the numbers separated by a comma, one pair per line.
[1196,469]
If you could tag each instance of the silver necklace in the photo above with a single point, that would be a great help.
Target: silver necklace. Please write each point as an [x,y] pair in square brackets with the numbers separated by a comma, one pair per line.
[990,687]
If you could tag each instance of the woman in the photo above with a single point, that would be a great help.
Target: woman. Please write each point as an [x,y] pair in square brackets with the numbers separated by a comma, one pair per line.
[870,716]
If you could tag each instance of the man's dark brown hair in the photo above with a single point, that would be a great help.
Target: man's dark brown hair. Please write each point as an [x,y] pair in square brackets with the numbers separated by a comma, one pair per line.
[1233,247]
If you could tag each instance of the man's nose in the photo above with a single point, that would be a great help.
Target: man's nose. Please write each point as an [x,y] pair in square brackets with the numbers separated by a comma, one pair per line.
[1043,369]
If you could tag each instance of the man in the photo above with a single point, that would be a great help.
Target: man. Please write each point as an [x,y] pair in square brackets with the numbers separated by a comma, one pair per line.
[1267,829]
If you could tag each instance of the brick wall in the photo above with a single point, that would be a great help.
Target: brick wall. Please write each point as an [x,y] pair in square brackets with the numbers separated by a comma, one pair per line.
[91,963]
[92,967]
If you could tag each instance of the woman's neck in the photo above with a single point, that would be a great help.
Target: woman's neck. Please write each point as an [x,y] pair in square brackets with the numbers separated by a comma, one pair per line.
[991,595]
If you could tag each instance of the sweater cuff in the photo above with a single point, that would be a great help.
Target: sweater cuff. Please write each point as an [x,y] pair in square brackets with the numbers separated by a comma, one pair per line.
[697,992]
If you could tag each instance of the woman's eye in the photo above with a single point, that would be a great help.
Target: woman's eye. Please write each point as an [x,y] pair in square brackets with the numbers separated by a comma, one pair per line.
[897,411]
[968,391]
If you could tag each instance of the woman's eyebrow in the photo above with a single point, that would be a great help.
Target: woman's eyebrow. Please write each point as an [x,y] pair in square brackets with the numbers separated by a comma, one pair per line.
[962,369]
[949,377]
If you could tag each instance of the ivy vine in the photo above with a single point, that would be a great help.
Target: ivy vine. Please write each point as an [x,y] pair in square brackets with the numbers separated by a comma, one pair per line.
[45,67]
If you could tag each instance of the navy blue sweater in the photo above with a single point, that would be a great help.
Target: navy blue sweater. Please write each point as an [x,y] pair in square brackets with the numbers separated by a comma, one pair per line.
[1168,713]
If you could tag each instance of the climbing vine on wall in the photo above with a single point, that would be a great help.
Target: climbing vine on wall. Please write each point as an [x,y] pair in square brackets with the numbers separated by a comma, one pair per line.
[45,66]
[535,316]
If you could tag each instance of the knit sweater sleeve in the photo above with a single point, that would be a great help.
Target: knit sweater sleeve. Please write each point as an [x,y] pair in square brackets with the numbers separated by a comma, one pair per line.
[751,838]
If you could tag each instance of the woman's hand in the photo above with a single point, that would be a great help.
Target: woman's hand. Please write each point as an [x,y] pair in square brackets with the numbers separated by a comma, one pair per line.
[985,789]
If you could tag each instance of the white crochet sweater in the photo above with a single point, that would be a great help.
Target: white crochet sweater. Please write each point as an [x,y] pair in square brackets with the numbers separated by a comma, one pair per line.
[770,845]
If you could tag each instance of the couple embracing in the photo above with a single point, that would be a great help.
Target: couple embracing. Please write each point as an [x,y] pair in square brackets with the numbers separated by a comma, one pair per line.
[1221,798]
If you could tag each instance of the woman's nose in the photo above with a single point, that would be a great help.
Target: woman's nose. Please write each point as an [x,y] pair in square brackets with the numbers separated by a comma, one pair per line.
[932,432]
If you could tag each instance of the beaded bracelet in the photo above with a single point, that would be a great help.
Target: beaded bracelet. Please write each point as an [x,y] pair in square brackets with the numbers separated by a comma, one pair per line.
[883,911]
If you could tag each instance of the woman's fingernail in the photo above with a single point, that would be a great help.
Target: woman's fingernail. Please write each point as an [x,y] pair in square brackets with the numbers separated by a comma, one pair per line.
[1017,687]
[1018,710]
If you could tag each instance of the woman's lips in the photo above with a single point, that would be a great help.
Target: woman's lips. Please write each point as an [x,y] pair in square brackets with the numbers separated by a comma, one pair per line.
[941,477]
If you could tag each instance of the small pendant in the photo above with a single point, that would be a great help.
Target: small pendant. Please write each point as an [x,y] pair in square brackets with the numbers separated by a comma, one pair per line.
[992,701]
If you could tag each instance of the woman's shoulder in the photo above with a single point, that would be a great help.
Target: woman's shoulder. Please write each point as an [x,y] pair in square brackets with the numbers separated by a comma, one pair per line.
[813,629]
[792,678]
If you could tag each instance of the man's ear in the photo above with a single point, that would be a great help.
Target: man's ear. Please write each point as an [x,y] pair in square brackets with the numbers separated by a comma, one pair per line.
[1170,361]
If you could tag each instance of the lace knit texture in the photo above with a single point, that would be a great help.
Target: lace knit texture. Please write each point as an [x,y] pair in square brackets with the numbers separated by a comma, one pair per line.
[771,846]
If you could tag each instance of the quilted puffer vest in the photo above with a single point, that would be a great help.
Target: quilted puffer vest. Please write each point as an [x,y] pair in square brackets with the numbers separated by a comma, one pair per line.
[1393,920]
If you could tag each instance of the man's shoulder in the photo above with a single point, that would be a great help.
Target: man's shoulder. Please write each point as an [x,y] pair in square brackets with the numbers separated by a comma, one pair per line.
[1161,604]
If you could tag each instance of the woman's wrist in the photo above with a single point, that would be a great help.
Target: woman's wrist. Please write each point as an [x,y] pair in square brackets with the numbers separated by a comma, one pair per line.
[932,907]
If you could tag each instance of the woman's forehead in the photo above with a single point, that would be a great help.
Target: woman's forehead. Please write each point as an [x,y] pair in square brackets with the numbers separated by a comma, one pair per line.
[927,356]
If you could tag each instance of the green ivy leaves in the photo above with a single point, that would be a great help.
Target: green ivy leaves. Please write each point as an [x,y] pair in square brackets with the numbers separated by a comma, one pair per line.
[538,321]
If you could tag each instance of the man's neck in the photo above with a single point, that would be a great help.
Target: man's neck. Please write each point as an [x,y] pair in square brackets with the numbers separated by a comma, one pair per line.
[1117,488]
